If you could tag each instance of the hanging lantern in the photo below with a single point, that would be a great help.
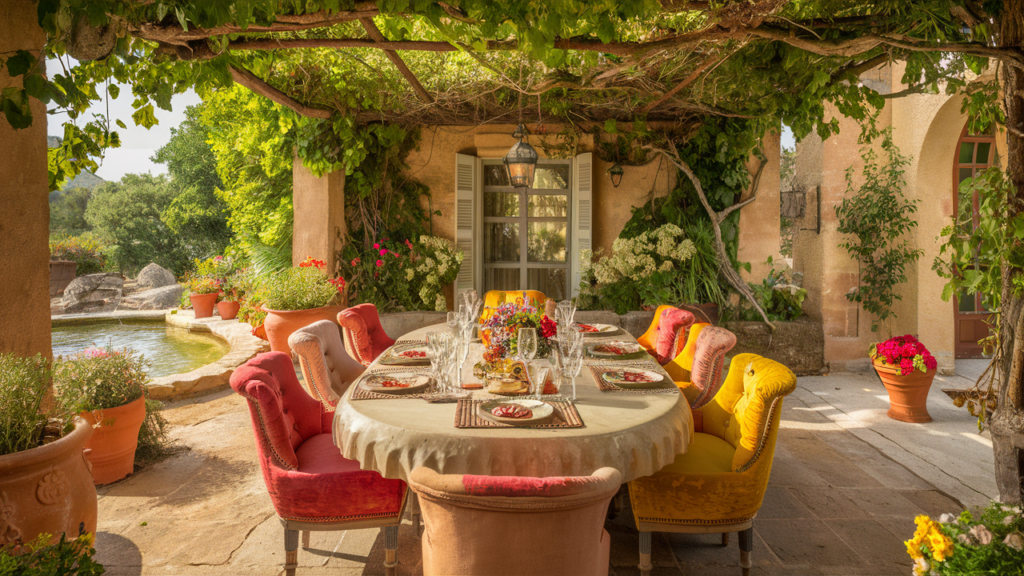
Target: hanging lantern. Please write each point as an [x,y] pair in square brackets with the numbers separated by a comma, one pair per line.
[616,172]
[521,161]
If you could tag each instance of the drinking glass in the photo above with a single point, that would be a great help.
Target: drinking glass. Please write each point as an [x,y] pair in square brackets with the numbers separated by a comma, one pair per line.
[526,344]
[575,366]
[465,317]
[453,321]
[540,377]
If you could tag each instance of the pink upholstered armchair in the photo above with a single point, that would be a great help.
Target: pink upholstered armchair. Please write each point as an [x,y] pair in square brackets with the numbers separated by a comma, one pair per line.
[327,369]
[311,485]
[502,525]
[365,338]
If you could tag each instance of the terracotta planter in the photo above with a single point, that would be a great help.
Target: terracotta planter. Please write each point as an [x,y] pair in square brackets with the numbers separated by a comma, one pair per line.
[908,395]
[259,332]
[114,440]
[281,323]
[62,272]
[48,489]
[228,309]
[202,304]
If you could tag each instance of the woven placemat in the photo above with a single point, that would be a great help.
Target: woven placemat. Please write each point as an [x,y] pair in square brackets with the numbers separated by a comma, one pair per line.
[467,416]
[667,387]
[360,393]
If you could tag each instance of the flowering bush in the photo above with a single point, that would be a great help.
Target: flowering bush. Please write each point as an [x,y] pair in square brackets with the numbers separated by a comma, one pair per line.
[505,322]
[905,353]
[301,288]
[646,270]
[98,378]
[401,276]
[960,545]
[85,251]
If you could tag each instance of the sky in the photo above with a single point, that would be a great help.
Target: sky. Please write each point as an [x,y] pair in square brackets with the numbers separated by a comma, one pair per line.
[137,143]
[788,141]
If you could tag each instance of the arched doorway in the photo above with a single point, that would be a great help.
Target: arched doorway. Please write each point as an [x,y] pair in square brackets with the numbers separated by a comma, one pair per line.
[974,153]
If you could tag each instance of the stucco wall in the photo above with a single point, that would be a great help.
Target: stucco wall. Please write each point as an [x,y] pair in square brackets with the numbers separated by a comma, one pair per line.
[759,221]
[24,223]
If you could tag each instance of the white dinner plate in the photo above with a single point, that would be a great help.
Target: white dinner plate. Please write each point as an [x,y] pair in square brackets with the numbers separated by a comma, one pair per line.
[602,330]
[618,377]
[542,411]
[407,354]
[407,383]
[627,349]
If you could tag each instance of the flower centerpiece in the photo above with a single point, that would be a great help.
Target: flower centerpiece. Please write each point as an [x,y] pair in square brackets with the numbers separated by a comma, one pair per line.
[501,330]
[906,369]
[991,544]
[296,297]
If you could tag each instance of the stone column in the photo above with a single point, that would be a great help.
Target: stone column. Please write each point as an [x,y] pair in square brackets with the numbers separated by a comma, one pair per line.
[25,217]
[319,215]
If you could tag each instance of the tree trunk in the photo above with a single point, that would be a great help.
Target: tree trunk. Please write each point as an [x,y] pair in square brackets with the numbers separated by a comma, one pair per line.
[1007,423]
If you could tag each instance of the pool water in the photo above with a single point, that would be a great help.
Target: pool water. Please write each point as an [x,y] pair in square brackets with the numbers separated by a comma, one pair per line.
[169,350]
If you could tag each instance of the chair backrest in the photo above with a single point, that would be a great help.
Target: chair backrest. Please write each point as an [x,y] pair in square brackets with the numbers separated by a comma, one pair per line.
[650,337]
[364,336]
[746,411]
[283,414]
[326,367]
[706,374]
[681,366]
[495,298]
[473,522]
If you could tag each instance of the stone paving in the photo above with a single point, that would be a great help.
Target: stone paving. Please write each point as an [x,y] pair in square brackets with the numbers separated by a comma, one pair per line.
[835,505]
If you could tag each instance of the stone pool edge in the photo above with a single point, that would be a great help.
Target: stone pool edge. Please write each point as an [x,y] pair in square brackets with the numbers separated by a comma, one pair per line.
[215,375]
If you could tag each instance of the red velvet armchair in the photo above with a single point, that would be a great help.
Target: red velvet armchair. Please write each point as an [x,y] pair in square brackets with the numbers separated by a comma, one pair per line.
[311,485]
[364,337]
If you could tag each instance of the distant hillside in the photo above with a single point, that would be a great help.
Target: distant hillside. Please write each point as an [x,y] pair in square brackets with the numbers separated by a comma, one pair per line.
[85,179]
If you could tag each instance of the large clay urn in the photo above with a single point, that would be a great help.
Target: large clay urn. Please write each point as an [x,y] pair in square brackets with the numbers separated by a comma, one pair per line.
[48,489]
[281,323]
[908,395]
[228,309]
[202,304]
[114,440]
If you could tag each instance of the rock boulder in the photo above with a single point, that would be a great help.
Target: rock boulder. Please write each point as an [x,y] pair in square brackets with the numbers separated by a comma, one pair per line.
[154,276]
[93,293]
[161,298]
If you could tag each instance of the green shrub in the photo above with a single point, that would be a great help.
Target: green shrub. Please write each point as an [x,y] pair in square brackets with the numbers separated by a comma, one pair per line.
[98,378]
[85,251]
[42,557]
[967,546]
[24,384]
[403,276]
[301,288]
[781,299]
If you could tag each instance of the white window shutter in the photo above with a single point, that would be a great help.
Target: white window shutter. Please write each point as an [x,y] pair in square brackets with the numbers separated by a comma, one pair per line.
[467,182]
[582,208]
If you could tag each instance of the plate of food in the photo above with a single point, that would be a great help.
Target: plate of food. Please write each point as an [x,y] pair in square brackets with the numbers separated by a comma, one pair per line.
[614,349]
[407,354]
[595,329]
[516,412]
[396,383]
[508,386]
[633,378]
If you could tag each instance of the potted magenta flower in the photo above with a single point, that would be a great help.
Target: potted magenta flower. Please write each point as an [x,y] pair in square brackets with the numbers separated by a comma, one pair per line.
[906,369]
[106,387]
[297,297]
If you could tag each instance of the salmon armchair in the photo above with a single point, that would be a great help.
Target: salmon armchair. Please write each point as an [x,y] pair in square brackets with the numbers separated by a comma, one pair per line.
[698,369]
[718,485]
[364,337]
[326,368]
[667,333]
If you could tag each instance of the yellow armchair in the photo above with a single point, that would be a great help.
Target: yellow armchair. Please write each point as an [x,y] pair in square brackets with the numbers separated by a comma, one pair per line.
[495,298]
[718,485]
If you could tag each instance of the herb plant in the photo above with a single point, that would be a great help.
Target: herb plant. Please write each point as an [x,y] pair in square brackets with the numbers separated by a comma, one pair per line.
[877,218]
[99,378]
[24,386]
[301,288]
[43,557]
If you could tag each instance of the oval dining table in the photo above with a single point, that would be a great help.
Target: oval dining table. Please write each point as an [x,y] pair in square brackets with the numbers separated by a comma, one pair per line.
[635,433]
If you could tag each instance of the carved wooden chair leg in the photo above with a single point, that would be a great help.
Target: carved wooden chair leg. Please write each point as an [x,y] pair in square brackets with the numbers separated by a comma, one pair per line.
[390,546]
[645,552]
[291,551]
[305,539]
[746,546]
[725,538]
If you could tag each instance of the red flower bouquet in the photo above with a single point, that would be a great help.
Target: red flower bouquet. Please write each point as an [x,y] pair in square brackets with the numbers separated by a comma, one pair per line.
[905,353]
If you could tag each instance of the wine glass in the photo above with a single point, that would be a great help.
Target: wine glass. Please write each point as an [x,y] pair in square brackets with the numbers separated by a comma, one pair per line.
[540,378]
[435,350]
[575,365]
[465,319]
[453,321]
[526,344]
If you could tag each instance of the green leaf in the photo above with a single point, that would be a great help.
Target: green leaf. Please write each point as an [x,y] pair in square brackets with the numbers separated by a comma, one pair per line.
[144,116]
[20,63]
[121,124]
[610,126]
[114,90]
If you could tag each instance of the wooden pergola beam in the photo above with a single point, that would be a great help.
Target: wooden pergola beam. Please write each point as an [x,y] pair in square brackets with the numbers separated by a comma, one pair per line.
[376,36]
[250,81]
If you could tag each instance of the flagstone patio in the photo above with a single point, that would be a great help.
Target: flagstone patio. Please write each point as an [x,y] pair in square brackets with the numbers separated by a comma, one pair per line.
[836,505]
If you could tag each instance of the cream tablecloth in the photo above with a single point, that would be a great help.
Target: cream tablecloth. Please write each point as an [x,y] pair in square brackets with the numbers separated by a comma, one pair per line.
[638,434]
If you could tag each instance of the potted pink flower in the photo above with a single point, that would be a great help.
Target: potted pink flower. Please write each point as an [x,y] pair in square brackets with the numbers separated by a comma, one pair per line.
[296,297]
[906,369]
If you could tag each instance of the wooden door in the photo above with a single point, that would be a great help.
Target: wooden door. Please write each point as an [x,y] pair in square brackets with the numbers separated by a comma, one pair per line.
[974,153]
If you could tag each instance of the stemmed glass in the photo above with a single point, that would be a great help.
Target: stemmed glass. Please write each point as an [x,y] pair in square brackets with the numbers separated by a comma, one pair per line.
[570,348]
[453,321]
[526,344]
[437,344]
[565,313]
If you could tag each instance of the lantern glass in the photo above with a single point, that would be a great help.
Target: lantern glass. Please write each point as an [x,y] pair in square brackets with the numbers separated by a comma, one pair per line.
[521,163]
[616,173]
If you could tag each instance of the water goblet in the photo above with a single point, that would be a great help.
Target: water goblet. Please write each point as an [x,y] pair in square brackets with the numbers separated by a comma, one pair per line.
[540,379]
[452,320]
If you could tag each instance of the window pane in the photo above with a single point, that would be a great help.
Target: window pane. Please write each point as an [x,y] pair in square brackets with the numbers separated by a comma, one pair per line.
[501,242]
[983,151]
[501,279]
[966,302]
[502,204]
[546,242]
[495,175]
[544,206]
[966,152]
[550,281]
[964,174]
[551,177]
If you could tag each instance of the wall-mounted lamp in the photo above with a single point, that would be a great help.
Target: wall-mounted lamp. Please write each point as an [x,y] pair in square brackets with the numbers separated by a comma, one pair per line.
[521,161]
[616,172]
